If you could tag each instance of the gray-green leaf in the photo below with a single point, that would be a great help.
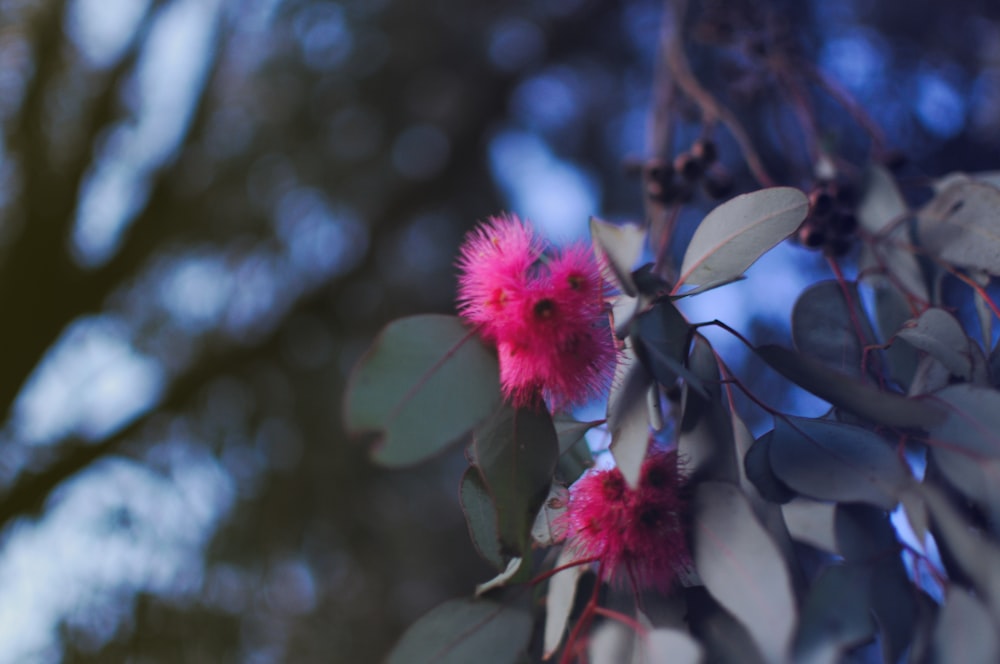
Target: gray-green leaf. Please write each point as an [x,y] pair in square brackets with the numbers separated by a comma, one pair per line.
[735,234]
[417,368]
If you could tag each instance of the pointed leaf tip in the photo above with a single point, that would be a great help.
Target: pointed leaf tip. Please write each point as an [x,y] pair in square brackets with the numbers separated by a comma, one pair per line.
[738,232]
[417,368]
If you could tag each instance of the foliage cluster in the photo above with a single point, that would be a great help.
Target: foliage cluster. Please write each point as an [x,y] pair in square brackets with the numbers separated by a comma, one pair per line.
[870,532]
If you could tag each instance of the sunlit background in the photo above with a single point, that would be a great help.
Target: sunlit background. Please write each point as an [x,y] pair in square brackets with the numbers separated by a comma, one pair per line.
[209,207]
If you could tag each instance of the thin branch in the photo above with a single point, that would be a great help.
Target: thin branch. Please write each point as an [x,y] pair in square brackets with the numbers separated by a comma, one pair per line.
[712,110]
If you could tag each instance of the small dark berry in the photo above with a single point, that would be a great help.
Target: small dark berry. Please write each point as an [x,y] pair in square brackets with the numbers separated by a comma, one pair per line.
[659,170]
[704,150]
[820,203]
[844,222]
[689,167]
[812,237]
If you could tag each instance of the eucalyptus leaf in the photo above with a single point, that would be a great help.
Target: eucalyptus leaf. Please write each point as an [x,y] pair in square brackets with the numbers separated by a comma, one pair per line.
[559,600]
[574,452]
[894,602]
[865,536]
[825,327]
[972,422]
[724,639]
[662,335]
[501,579]
[812,523]
[570,431]
[881,205]
[961,225]
[930,376]
[613,643]
[574,462]
[864,533]
[986,177]
[516,451]
[880,212]
[849,393]
[916,512]
[705,441]
[548,529]
[835,616]
[975,478]
[964,631]
[735,234]
[481,517]
[628,415]
[742,567]
[939,334]
[417,369]
[834,461]
[465,630]
[663,646]
[757,466]
[892,310]
[977,557]
[623,310]
[621,245]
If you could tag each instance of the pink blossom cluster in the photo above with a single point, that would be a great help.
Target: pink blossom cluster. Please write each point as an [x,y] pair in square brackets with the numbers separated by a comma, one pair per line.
[544,310]
[636,534]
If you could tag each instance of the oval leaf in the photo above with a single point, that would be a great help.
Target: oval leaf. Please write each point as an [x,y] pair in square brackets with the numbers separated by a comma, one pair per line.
[972,424]
[937,333]
[465,630]
[964,631]
[836,615]
[823,326]
[737,233]
[628,415]
[671,645]
[961,225]
[516,451]
[481,517]
[834,461]
[845,392]
[621,246]
[559,600]
[418,368]
[976,556]
[881,204]
[742,567]
[975,478]
[548,529]
[757,465]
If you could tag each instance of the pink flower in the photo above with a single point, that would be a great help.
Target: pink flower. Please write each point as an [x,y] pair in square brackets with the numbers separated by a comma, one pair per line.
[546,314]
[496,260]
[636,534]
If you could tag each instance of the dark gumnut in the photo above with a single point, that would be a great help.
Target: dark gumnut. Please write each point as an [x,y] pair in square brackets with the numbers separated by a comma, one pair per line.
[820,203]
[704,150]
[845,222]
[812,237]
[688,166]
[659,171]
[837,245]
